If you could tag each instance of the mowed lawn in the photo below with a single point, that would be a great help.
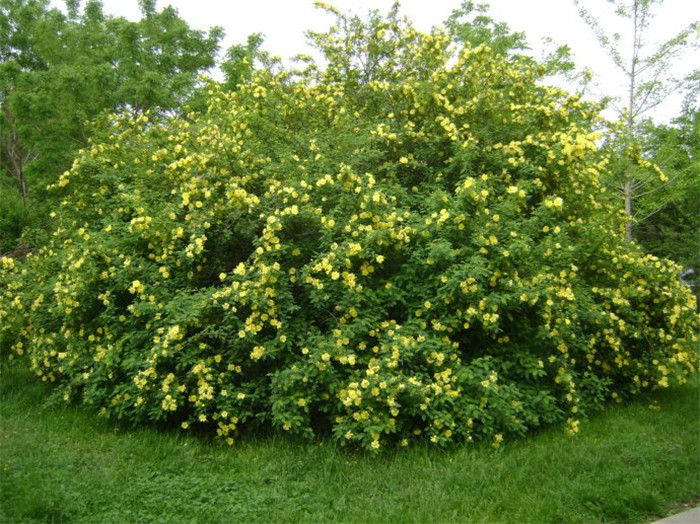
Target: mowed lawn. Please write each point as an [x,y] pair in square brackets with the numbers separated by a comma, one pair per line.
[629,463]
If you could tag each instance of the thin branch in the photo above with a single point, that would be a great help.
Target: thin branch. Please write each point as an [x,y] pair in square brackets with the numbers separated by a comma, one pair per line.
[661,207]
[651,191]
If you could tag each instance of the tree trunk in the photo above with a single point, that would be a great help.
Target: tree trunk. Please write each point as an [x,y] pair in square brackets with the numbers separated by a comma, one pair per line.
[629,231]
[629,177]
[14,157]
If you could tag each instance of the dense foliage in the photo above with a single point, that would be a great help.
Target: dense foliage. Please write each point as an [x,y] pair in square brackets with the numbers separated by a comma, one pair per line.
[58,72]
[408,244]
[672,211]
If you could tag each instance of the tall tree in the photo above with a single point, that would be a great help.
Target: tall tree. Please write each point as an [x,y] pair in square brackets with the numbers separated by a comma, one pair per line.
[60,71]
[649,70]
[239,62]
[673,213]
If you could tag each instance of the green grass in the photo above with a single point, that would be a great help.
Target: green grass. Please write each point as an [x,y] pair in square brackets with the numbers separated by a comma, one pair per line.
[61,464]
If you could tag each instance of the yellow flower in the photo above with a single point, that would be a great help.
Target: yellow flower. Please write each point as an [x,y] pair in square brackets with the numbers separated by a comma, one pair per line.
[497,439]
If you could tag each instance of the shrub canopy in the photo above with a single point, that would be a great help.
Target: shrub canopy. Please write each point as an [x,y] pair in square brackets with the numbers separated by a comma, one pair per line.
[411,243]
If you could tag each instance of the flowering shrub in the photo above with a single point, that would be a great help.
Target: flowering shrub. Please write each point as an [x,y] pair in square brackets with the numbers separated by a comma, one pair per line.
[410,244]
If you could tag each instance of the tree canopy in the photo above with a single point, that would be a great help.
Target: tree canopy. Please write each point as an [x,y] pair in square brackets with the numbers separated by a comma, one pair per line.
[672,212]
[59,72]
[648,68]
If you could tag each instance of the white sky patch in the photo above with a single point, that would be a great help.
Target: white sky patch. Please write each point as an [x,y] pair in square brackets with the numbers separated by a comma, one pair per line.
[283,22]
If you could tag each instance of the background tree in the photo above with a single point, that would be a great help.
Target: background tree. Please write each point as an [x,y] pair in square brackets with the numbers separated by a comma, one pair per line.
[471,23]
[239,63]
[670,226]
[649,70]
[58,72]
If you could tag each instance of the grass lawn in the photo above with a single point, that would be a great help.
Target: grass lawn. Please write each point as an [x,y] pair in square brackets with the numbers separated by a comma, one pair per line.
[61,464]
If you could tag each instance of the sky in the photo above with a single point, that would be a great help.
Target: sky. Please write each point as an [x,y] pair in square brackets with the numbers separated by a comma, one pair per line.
[283,22]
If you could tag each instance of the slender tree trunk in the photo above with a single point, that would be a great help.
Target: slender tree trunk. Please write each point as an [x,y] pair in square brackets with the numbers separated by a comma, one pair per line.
[14,157]
[17,160]
[23,188]
[629,230]
[629,176]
